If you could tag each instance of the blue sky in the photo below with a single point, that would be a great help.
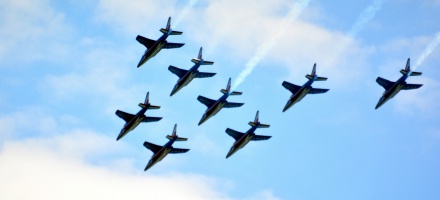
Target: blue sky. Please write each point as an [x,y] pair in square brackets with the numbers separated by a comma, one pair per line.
[65,67]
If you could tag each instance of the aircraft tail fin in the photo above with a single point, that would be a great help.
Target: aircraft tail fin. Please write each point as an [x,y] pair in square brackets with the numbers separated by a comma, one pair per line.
[312,75]
[200,60]
[256,122]
[174,135]
[408,69]
[147,104]
[168,28]
[228,88]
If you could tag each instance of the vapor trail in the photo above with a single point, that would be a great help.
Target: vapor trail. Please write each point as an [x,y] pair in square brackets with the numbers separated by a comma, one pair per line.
[184,12]
[429,49]
[271,41]
[366,15]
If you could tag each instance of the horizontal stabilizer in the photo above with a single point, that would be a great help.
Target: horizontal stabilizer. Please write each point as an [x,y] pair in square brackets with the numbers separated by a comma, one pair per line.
[308,76]
[235,134]
[177,71]
[411,86]
[253,124]
[142,105]
[151,119]
[207,101]
[177,150]
[177,139]
[319,78]
[236,93]
[416,74]
[260,137]
[291,87]
[317,91]
[148,43]
[125,116]
[233,105]
[165,31]
[170,45]
[154,148]
[205,74]
[386,84]
[204,62]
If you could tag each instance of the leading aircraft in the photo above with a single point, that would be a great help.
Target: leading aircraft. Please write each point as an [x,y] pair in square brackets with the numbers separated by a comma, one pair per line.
[215,106]
[132,121]
[241,139]
[299,92]
[161,151]
[186,76]
[154,46]
[392,88]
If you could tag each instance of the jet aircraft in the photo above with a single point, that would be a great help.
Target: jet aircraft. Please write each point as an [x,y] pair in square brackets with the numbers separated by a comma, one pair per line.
[186,76]
[161,151]
[215,106]
[154,46]
[241,139]
[392,88]
[132,121]
[299,92]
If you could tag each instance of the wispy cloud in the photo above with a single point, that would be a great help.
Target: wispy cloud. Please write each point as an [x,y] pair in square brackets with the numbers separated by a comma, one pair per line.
[262,50]
[429,49]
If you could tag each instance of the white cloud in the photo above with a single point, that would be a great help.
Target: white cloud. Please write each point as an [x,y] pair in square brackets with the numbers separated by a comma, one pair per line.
[55,168]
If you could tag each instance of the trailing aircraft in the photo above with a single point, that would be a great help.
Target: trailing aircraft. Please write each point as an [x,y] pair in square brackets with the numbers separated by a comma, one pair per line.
[186,76]
[392,88]
[215,106]
[241,139]
[132,121]
[159,152]
[299,92]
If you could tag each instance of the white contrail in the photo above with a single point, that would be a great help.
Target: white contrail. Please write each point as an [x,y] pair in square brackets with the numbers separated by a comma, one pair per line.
[269,44]
[366,15]
[429,49]
[184,13]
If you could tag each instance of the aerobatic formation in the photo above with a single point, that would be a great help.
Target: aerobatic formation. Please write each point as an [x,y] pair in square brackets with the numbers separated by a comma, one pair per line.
[214,106]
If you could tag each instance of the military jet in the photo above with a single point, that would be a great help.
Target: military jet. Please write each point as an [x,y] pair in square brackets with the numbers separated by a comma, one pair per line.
[186,76]
[154,46]
[215,106]
[241,139]
[161,151]
[392,88]
[299,92]
[132,121]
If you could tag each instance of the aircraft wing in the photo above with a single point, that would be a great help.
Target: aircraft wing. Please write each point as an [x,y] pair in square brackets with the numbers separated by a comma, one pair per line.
[207,101]
[411,86]
[233,105]
[291,87]
[386,84]
[205,74]
[170,45]
[154,148]
[177,150]
[260,137]
[151,119]
[177,71]
[125,116]
[317,91]
[145,41]
[235,134]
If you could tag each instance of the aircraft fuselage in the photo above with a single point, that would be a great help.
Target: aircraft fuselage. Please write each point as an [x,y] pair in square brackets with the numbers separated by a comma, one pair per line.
[214,109]
[133,123]
[243,141]
[162,153]
[186,79]
[151,52]
[298,96]
[389,94]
